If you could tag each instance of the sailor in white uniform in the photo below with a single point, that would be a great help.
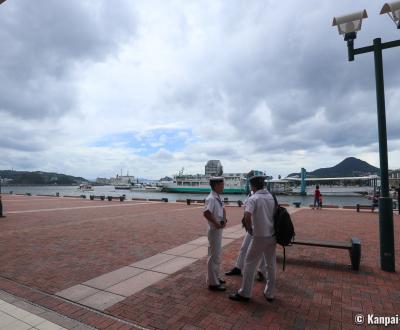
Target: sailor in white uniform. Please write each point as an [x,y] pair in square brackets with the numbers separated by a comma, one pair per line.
[215,214]
[259,220]
[239,266]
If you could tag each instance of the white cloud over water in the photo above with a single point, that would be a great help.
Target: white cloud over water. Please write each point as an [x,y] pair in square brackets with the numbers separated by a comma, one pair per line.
[90,87]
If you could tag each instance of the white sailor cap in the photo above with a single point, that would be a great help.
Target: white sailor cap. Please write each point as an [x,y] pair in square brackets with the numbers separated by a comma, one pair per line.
[215,179]
[255,178]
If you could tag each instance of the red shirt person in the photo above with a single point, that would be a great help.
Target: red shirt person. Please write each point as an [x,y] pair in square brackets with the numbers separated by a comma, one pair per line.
[317,195]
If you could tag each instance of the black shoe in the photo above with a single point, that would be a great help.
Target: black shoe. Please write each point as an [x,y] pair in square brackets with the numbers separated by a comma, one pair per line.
[216,287]
[222,281]
[270,300]
[260,277]
[238,297]
[234,271]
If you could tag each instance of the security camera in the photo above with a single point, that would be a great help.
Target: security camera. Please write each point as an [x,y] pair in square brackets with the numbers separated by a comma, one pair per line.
[393,11]
[350,24]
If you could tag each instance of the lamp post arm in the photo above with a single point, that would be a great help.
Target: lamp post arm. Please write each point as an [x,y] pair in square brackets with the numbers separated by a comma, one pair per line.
[369,49]
[391,44]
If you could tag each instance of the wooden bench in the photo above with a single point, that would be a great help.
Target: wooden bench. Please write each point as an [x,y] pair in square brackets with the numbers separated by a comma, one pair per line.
[354,248]
[366,207]
[297,204]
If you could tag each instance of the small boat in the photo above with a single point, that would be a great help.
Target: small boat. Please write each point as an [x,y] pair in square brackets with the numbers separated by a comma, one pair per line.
[85,187]
[141,187]
[123,186]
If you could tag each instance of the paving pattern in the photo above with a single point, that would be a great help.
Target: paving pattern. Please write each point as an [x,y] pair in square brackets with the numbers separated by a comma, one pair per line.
[132,265]
[18,314]
[106,290]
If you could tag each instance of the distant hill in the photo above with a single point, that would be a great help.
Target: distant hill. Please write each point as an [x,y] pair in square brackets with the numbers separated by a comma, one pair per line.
[351,166]
[40,178]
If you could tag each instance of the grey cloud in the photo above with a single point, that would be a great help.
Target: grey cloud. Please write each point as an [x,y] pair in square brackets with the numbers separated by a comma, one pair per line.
[297,66]
[43,41]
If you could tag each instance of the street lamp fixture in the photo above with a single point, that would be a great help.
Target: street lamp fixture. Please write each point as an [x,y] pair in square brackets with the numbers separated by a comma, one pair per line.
[393,11]
[349,25]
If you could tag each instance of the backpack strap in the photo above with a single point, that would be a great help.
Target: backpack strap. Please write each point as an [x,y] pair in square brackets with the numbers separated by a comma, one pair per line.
[276,201]
[276,204]
[284,259]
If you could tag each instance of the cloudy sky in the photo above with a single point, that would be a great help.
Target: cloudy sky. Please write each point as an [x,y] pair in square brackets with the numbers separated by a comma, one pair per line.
[90,87]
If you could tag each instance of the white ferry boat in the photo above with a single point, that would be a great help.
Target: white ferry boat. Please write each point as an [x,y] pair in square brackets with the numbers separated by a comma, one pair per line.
[145,187]
[363,185]
[123,181]
[235,183]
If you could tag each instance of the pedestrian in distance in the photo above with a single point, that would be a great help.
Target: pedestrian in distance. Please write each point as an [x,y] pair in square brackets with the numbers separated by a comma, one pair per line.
[259,221]
[215,214]
[317,194]
[1,208]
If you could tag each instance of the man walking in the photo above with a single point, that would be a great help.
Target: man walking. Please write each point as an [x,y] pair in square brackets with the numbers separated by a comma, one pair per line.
[259,221]
[215,214]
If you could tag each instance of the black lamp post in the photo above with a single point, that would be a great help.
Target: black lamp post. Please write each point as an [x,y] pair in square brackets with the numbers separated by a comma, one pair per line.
[349,25]
[1,204]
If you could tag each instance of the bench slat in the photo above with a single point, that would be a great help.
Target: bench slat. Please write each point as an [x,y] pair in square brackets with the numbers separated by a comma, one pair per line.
[330,244]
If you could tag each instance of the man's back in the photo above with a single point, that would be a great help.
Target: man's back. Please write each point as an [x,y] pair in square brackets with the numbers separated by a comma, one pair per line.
[261,205]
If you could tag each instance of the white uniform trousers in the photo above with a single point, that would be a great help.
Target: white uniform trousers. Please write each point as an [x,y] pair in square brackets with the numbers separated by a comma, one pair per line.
[258,247]
[214,255]
[242,255]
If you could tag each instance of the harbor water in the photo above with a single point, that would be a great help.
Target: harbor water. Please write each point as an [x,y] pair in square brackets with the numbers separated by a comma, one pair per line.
[110,191]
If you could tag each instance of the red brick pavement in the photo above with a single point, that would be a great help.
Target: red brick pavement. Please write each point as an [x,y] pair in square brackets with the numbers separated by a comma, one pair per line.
[55,250]
[13,203]
[317,290]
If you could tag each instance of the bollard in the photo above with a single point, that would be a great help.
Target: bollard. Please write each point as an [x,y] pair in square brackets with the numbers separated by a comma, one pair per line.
[109,198]
[398,200]
[1,209]
[188,201]
[240,203]
[11,192]
[57,194]
[358,207]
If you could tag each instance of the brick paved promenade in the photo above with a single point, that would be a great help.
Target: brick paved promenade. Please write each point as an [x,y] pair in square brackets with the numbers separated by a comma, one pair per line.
[51,244]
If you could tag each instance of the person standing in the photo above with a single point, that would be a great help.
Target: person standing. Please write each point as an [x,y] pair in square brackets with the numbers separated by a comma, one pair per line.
[317,195]
[215,214]
[1,208]
[239,266]
[259,221]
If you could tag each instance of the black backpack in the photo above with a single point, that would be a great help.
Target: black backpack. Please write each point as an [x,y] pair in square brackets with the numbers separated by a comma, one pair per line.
[284,229]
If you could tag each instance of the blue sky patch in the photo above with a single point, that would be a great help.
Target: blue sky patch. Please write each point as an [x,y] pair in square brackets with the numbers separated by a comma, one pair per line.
[145,144]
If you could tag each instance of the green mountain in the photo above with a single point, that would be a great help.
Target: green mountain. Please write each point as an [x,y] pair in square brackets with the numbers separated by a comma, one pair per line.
[40,178]
[350,166]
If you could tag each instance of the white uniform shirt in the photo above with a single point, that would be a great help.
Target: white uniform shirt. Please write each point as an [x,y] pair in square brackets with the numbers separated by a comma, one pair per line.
[261,206]
[215,205]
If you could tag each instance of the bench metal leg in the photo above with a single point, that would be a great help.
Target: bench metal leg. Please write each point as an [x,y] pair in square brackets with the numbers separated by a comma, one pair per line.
[355,253]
